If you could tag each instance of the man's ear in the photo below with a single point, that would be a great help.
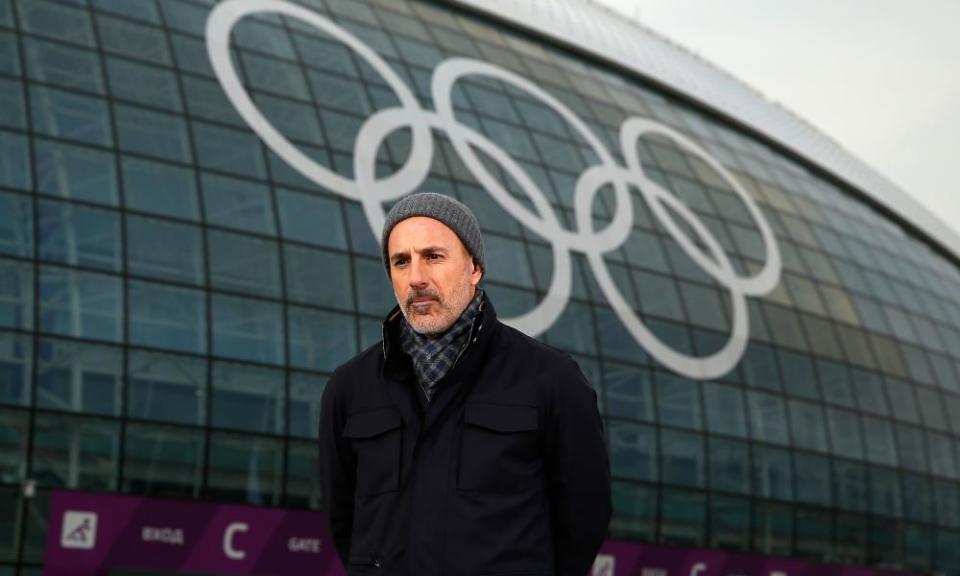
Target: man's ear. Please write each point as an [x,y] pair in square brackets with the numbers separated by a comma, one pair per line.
[477,271]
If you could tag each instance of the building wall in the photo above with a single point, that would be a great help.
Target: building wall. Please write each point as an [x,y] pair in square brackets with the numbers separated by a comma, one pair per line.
[174,293]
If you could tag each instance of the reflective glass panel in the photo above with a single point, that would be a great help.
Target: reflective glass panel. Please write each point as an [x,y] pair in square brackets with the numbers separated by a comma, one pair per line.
[167,387]
[75,172]
[164,250]
[320,340]
[167,317]
[247,329]
[16,224]
[16,294]
[80,304]
[159,188]
[239,204]
[77,235]
[163,461]
[245,468]
[243,263]
[75,452]
[79,377]
[248,398]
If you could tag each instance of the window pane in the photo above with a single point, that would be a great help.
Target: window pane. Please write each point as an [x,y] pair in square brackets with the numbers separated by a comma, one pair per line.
[374,292]
[16,368]
[163,461]
[160,188]
[320,340]
[248,398]
[634,511]
[70,116]
[247,329]
[682,517]
[773,528]
[845,433]
[14,432]
[813,478]
[911,447]
[306,391]
[75,452]
[678,401]
[869,392]
[730,520]
[725,411]
[245,468]
[880,445]
[16,294]
[682,459]
[768,418]
[128,39]
[573,330]
[798,376]
[70,67]
[16,224]
[165,250]
[78,235]
[167,317]
[76,172]
[56,21]
[850,485]
[629,392]
[772,475]
[143,84]
[152,133]
[14,161]
[902,402]
[814,533]
[311,219]
[729,466]
[80,304]
[308,274]
[885,492]
[239,204]
[167,387]
[303,482]
[807,421]
[229,150]
[243,264]
[79,377]
[633,451]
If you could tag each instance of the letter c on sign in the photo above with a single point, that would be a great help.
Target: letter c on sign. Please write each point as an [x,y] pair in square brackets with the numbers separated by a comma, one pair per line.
[228,549]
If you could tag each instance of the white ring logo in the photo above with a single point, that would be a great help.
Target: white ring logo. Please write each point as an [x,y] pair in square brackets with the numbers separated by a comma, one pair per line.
[372,192]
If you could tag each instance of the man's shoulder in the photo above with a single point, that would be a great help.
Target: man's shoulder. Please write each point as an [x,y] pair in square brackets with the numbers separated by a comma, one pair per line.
[369,359]
[533,349]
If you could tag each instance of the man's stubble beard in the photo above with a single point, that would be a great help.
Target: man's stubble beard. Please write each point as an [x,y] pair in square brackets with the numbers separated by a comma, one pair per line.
[449,309]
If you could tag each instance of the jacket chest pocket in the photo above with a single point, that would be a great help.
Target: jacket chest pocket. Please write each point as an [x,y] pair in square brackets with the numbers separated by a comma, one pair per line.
[498,449]
[377,439]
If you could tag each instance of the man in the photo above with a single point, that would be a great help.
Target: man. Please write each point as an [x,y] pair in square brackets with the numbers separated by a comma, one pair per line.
[459,446]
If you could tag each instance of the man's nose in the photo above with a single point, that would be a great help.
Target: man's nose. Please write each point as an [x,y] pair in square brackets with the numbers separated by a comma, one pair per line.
[417,277]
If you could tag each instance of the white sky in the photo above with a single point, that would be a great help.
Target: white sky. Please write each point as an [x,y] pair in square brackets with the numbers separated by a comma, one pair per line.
[881,77]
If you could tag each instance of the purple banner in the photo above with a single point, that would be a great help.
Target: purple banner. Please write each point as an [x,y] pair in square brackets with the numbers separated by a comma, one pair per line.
[618,558]
[90,534]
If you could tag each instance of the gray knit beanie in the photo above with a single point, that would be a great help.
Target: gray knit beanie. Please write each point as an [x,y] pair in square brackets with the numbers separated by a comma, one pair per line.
[448,210]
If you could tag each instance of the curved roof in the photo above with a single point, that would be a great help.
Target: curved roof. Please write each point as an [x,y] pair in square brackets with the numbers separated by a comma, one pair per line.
[591,28]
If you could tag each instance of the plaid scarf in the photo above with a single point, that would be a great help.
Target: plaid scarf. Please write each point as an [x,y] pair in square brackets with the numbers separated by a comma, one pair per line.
[434,357]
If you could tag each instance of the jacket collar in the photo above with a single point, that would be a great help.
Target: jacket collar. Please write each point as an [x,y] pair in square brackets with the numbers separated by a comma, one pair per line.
[390,330]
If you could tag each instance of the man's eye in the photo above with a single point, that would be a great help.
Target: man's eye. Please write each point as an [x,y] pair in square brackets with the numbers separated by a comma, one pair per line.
[399,261]
[434,256]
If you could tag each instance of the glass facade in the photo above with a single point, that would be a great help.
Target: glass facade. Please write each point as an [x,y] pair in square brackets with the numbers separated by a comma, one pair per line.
[173,295]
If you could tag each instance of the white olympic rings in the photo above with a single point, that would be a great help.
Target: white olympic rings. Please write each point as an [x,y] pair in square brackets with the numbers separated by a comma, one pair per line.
[372,192]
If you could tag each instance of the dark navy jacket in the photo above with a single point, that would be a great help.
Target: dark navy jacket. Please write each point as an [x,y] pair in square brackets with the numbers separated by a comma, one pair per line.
[504,472]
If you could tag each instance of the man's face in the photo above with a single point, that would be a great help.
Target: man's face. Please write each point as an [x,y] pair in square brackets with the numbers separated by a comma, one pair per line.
[433,275]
